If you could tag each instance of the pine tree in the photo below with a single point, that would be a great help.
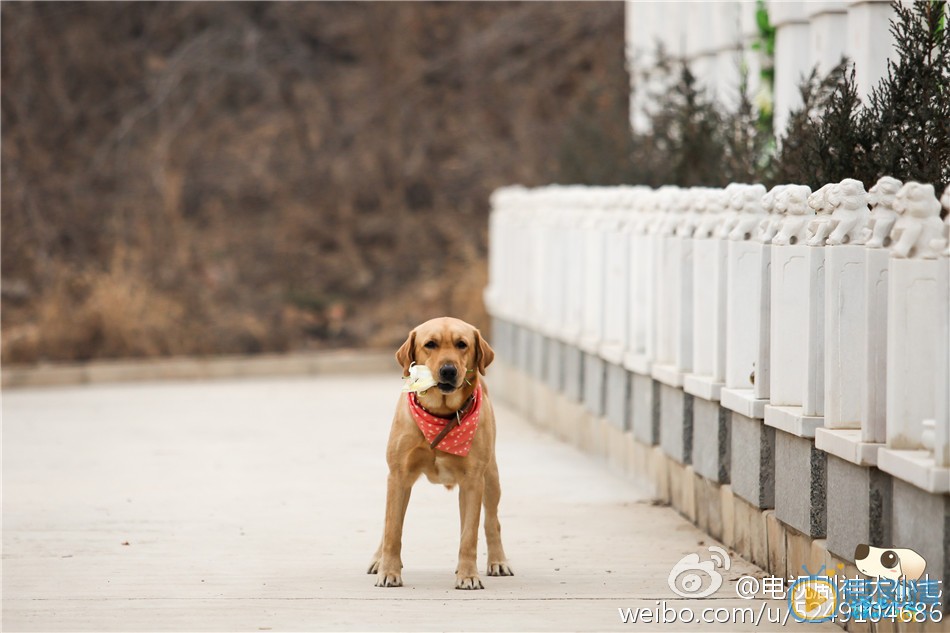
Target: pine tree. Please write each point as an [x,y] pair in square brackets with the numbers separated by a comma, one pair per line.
[684,144]
[744,140]
[907,120]
[837,150]
[799,158]
[687,132]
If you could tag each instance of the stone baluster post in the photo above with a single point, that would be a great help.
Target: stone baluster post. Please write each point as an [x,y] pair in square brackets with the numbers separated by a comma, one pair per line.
[917,320]
[746,307]
[617,277]
[667,291]
[709,300]
[868,41]
[827,20]
[868,330]
[795,282]
[641,306]
[942,427]
[845,306]
[674,325]
[791,60]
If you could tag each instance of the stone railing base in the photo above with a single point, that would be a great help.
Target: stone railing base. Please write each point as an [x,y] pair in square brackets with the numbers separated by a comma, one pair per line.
[754,533]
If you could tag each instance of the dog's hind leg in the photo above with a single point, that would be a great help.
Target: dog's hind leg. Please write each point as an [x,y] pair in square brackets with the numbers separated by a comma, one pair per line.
[497,561]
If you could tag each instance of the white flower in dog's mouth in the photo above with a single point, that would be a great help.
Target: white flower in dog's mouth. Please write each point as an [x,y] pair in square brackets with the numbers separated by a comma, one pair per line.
[419,379]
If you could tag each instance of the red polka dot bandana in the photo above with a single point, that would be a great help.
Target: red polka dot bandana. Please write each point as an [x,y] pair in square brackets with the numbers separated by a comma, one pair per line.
[458,441]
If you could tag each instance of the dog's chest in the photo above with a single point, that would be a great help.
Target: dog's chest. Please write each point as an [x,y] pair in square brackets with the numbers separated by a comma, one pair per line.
[440,473]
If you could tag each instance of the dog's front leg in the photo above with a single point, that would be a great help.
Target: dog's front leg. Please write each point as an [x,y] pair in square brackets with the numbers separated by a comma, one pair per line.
[398,489]
[471,491]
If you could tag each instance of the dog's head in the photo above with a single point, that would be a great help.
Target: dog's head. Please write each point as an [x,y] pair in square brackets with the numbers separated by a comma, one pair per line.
[452,349]
[889,563]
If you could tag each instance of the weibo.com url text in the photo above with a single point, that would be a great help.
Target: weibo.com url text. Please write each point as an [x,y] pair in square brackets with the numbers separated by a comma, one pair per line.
[665,614]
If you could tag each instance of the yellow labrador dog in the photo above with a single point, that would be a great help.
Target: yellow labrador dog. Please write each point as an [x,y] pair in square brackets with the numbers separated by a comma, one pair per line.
[446,433]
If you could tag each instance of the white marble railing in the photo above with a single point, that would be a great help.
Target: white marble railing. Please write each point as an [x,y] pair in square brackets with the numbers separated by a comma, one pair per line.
[825,314]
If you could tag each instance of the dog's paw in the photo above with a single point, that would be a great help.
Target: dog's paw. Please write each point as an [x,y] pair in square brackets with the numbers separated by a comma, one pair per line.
[389,579]
[468,582]
[500,569]
[373,567]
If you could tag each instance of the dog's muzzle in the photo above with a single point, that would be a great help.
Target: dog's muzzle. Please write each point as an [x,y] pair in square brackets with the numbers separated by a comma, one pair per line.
[448,378]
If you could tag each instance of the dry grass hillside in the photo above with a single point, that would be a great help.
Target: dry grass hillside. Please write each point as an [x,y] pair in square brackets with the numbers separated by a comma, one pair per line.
[202,178]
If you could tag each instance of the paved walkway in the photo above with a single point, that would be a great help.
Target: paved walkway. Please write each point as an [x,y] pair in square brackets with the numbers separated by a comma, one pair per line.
[256,505]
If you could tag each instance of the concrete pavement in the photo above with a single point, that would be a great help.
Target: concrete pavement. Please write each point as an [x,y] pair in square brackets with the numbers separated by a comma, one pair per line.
[255,504]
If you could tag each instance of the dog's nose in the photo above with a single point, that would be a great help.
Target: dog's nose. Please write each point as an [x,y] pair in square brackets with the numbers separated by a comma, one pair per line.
[861,552]
[448,373]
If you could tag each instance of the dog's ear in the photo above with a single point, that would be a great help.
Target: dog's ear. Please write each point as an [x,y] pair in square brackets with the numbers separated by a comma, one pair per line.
[406,355]
[484,354]
[912,564]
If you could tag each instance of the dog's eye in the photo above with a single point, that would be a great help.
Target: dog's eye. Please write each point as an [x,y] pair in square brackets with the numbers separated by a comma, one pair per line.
[430,345]
[889,559]
[461,345]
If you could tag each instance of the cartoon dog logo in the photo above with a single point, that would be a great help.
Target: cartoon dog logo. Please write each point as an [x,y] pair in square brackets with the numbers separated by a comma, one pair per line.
[889,563]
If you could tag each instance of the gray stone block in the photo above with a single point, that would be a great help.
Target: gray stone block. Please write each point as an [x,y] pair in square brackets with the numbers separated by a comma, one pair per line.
[711,446]
[628,407]
[655,412]
[523,342]
[921,521]
[554,365]
[800,484]
[573,372]
[501,340]
[645,416]
[511,335]
[595,370]
[676,423]
[536,355]
[858,506]
[752,462]
[617,396]
[725,445]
